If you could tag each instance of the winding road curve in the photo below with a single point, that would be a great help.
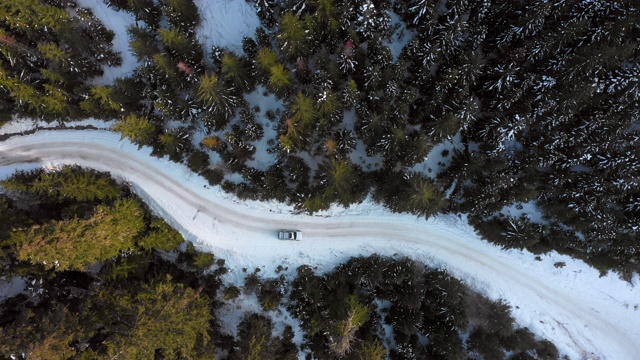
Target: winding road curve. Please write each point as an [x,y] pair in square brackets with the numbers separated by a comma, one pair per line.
[589,317]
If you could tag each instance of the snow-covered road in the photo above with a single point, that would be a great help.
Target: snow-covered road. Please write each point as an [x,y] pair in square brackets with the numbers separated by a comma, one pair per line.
[587,316]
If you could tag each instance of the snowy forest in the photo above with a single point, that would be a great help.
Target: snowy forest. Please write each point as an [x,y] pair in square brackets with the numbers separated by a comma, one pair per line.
[524,115]
[534,104]
[144,292]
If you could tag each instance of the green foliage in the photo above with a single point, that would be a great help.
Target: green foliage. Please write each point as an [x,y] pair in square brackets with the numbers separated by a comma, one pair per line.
[292,35]
[69,182]
[357,315]
[11,216]
[236,71]
[182,14]
[256,348]
[231,292]
[266,59]
[166,66]
[217,96]
[203,260]
[147,11]
[280,78]
[138,129]
[166,317]
[303,110]
[175,42]
[41,336]
[46,55]
[142,42]
[329,110]
[338,179]
[271,293]
[100,102]
[54,53]
[418,302]
[424,198]
[32,15]
[77,243]
[198,161]
[161,237]
[325,20]
[54,102]
[371,351]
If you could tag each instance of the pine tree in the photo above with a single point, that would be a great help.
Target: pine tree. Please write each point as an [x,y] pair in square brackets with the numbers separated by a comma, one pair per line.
[292,36]
[235,72]
[147,11]
[175,142]
[54,103]
[371,351]
[162,317]
[77,243]
[325,24]
[102,96]
[329,111]
[138,129]
[161,237]
[182,14]
[32,16]
[216,96]
[176,43]
[372,21]
[303,110]
[339,180]
[55,54]
[357,315]
[265,10]
[280,79]
[350,95]
[266,59]
[423,198]
[422,13]
[142,42]
[69,182]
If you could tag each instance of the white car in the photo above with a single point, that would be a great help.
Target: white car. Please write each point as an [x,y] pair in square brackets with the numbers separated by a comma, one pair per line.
[290,235]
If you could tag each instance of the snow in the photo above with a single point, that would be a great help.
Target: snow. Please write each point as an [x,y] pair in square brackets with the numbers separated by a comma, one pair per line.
[262,159]
[11,287]
[368,163]
[400,37]
[225,22]
[116,21]
[435,161]
[22,125]
[586,315]
[528,209]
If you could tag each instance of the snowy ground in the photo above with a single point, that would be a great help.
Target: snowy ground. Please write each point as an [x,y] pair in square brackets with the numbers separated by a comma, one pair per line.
[116,21]
[587,316]
[22,125]
[225,23]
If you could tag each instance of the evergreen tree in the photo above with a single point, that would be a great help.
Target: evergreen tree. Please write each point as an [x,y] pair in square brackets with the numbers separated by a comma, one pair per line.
[100,102]
[357,315]
[77,243]
[182,14]
[138,129]
[280,79]
[235,71]
[266,59]
[293,36]
[216,96]
[146,10]
[162,317]
[423,198]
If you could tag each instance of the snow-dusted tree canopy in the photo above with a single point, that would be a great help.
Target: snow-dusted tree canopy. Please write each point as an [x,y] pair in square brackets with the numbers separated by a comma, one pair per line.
[522,114]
